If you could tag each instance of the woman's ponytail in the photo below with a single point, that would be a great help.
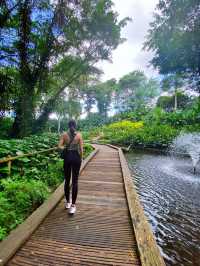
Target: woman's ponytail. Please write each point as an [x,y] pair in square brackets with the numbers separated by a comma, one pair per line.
[72,127]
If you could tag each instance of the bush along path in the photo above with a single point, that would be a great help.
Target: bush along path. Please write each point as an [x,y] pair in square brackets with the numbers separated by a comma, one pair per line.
[136,134]
[32,178]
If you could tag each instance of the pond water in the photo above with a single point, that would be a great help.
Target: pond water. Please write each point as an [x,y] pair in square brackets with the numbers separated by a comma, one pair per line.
[170,195]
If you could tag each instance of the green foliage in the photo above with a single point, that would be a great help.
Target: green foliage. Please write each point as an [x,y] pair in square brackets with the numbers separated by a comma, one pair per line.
[87,150]
[177,119]
[135,116]
[158,129]
[32,166]
[156,136]
[5,127]
[25,195]
[27,145]
[167,102]
[174,37]
[103,95]
[68,35]
[139,134]
[135,91]
[99,93]
[8,88]
[23,192]
[92,120]
[18,199]
[8,216]
[29,165]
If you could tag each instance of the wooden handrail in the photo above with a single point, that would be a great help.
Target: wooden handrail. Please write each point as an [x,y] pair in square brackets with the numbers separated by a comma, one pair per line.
[8,159]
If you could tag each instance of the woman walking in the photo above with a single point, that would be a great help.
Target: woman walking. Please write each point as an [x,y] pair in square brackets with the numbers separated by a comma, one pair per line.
[72,142]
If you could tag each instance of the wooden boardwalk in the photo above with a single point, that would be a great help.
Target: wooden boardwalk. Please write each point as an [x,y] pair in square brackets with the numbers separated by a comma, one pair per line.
[100,233]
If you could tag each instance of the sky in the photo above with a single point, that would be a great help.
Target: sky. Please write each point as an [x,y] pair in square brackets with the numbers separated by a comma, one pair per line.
[129,56]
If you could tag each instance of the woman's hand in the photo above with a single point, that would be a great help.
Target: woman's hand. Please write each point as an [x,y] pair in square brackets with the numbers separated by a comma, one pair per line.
[61,148]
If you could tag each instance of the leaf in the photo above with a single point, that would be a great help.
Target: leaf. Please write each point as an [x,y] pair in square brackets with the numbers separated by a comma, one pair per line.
[4,170]
[23,159]
[19,153]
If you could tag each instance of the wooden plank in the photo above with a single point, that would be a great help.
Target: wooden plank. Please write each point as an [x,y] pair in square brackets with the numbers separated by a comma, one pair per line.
[17,237]
[112,146]
[147,246]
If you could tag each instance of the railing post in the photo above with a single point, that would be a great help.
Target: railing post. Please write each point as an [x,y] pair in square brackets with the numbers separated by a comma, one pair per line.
[9,166]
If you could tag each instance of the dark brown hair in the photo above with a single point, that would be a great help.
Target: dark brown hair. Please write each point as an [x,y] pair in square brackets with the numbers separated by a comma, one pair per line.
[72,127]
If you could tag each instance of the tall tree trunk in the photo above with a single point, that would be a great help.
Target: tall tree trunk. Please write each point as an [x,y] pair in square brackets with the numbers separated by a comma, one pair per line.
[24,107]
[24,110]
[175,100]
[59,118]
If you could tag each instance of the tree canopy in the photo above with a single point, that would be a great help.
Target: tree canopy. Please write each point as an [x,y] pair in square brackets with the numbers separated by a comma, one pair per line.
[49,45]
[174,36]
[135,90]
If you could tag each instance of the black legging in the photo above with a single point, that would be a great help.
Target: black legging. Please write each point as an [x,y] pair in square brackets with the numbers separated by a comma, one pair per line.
[72,163]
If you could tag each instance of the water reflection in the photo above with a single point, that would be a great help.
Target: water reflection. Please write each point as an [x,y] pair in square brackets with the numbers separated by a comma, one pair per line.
[170,195]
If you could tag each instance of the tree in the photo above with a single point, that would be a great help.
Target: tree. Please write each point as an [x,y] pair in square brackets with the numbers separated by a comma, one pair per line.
[134,91]
[6,9]
[103,96]
[61,109]
[89,100]
[172,83]
[91,121]
[99,94]
[87,92]
[8,89]
[67,108]
[167,102]
[42,34]
[174,37]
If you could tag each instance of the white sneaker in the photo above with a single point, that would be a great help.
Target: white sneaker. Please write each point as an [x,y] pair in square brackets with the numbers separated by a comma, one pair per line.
[67,205]
[72,209]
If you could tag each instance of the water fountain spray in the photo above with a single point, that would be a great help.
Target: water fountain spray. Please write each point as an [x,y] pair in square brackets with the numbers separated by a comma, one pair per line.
[188,144]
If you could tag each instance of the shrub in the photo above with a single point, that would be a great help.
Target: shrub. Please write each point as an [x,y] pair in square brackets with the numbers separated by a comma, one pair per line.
[125,125]
[139,134]
[8,216]
[18,199]
[178,119]
[119,132]
[87,150]
[156,136]
[25,195]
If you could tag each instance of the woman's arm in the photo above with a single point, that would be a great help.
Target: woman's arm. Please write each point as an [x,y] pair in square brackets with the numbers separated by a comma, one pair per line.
[81,145]
[61,142]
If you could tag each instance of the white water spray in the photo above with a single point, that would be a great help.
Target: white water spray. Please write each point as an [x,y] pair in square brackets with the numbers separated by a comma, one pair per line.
[189,144]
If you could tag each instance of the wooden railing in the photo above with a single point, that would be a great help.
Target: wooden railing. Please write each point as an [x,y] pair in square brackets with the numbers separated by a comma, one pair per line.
[9,159]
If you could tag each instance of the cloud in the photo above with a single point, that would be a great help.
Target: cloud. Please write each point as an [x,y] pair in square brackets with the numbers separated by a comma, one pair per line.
[129,56]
